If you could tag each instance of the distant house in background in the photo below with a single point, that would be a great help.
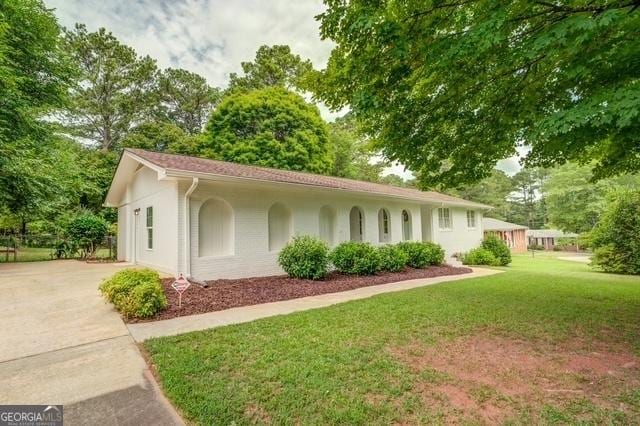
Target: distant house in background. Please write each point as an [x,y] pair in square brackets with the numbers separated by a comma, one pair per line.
[511,233]
[548,238]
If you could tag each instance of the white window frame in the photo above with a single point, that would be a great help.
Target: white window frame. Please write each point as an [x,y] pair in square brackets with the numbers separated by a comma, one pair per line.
[149,227]
[471,214]
[444,220]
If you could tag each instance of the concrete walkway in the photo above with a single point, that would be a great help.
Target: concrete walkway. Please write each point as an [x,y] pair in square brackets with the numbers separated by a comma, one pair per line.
[62,344]
[580,258]
[170,327]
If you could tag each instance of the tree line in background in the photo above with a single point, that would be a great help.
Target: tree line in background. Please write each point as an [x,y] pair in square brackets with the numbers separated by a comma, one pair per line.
[73,99]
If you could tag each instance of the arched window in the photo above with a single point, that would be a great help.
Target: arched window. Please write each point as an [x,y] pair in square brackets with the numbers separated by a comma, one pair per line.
[215,228]
[407,230]
[356,224]
[279,226]
[384,226]
[327,220]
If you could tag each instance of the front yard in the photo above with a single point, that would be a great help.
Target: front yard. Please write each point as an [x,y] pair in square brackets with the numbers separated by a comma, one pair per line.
[548,341]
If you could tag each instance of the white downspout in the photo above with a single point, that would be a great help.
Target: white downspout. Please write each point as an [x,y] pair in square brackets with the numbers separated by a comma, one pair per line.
[187,227]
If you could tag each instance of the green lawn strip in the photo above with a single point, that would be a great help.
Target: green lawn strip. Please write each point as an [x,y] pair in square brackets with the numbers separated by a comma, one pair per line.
[37,254]
[334,365]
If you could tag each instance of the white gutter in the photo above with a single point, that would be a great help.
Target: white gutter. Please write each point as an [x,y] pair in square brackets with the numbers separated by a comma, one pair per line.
[187,227]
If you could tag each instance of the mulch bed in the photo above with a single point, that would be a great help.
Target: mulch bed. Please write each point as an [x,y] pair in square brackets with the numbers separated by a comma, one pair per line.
[225,294]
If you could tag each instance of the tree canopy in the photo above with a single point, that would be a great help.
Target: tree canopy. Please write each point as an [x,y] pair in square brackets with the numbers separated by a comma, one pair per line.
[450,88]
[116,88]
[186,99]
[269,127]
[273,66]
[34,75]
[575,203]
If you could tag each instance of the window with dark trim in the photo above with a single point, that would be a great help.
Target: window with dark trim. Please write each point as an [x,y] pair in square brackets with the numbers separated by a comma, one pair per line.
[150,228]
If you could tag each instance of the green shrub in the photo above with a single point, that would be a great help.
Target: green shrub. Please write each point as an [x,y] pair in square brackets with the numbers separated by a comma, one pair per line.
[143,301]
[87,231]
[480,256]
[498,248]
[356,258]
[135,292]
[609,259]
[535,247]
[305,257]
[392,258]
[422,254]
[615,238]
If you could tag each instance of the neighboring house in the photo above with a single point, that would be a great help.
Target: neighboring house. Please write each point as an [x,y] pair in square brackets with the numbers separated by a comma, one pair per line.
[510,233]
[548,238]
[212,219]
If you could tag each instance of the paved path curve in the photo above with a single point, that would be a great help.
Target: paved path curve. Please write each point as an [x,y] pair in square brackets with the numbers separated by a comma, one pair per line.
[170,327]
[62,344]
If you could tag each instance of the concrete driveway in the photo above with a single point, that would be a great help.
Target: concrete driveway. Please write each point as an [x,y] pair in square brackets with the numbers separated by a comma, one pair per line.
[62,344]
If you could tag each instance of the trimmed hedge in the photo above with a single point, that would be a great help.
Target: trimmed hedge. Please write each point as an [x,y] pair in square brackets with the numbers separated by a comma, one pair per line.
[498,248]
[356,258]
[422,254]
[480,256]
[305,257]
[135,292]
[392,258]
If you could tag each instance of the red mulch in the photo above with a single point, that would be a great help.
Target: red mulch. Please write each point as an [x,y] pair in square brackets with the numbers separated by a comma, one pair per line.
[225,294]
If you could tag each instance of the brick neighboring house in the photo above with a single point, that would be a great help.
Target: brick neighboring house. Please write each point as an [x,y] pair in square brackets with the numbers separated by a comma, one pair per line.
[213,219]
[548,238]
[511,233]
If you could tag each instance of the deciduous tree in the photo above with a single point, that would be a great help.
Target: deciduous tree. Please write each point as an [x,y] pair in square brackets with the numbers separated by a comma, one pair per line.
[269,127]
[451,87]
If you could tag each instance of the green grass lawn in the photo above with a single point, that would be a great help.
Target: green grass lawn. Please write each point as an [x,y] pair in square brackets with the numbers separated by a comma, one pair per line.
[36,254]
[548,341]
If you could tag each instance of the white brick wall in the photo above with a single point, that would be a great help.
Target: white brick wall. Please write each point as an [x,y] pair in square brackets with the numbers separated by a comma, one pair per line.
[146,190]
[251,202]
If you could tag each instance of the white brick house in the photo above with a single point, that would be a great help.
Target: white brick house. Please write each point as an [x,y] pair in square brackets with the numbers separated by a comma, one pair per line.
[238,216]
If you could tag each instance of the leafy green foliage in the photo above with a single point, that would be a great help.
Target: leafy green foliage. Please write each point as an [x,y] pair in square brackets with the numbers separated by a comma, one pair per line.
[161,136]
[422,254]
[498,248]
[34,69]
[135,293]
[305,257]
[574,202]
[186,99]
[392,258]
[615,237]
[116,88]
[268,127]
[449,88]
[273,66]
[87,231]
[494,191]
[353,154]
[356,258]
[34,75]
[480,256]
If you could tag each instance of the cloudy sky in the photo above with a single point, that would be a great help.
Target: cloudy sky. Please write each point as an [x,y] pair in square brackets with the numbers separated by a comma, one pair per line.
[209,37]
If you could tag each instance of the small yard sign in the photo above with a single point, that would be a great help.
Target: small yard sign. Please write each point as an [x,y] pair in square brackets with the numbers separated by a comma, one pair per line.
[180,285]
